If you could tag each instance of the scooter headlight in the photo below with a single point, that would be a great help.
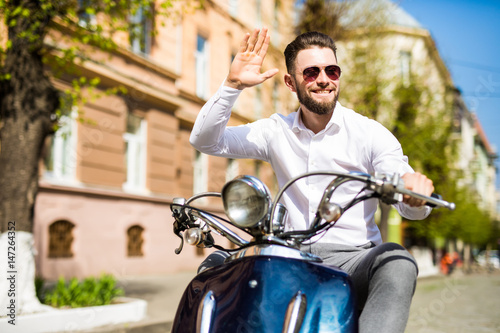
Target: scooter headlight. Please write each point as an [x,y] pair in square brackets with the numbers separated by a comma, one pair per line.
[246,201]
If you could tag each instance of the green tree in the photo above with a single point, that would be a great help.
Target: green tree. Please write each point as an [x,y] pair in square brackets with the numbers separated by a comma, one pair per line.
[328,24]
[55,37]
[429,144]
[60,34]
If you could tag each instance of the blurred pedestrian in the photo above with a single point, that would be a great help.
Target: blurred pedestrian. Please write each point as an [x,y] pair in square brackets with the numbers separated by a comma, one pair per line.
[446,263]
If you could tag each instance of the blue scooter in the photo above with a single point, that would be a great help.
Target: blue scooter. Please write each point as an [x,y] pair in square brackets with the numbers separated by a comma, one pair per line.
[267,284]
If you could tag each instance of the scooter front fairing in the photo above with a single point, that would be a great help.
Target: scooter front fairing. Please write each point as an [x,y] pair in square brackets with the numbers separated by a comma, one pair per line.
[268,294]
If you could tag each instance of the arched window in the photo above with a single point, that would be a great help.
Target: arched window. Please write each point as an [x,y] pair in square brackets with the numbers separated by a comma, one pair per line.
[60,239]
[135,241]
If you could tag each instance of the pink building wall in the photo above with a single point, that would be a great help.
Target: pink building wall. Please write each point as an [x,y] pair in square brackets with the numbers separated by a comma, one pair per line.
[101,220]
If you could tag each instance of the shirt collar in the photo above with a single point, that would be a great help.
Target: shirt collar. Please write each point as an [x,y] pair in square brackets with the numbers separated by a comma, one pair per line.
[335,120]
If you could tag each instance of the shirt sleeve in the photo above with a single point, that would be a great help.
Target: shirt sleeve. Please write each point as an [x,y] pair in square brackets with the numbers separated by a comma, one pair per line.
[388,158]
[210,134]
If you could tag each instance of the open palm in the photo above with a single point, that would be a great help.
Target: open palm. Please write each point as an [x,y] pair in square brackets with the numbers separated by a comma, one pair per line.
[246,67]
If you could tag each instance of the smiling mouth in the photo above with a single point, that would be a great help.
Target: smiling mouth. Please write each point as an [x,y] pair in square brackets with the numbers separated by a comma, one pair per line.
[322,92]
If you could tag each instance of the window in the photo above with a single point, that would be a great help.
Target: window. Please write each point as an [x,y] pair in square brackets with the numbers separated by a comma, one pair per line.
[135,153]
[178,56]
[140,31]
[232,169]
[135,241]
[201,63]
[233,8]
[60,161]
[60,239]
[258,12]
[200,179]
[85,19]
[405,60]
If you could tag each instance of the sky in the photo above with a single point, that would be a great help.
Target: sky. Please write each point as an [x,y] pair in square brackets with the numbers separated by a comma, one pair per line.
[467,35]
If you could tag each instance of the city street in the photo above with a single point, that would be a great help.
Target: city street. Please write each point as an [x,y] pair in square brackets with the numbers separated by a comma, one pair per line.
[458,303]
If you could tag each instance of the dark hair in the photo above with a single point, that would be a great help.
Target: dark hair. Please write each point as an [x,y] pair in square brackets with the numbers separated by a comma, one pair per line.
[305,41]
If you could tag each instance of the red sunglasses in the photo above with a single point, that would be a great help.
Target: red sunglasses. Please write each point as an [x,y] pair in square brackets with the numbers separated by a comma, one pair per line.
[311,73]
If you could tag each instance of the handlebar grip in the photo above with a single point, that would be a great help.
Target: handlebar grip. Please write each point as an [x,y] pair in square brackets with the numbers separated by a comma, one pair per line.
[436,196]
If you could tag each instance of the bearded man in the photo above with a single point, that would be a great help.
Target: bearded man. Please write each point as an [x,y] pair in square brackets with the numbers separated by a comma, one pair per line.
[322,135]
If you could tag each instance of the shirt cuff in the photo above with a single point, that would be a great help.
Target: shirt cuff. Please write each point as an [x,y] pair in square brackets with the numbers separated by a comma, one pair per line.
[228,94]
[414,213]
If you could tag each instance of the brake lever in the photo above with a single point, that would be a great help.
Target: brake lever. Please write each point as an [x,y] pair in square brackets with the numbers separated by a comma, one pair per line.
[386,188]
[391,190]
[178,214]
[177,232]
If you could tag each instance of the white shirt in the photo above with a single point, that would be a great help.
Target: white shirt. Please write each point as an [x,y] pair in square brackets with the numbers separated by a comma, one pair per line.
[350,142]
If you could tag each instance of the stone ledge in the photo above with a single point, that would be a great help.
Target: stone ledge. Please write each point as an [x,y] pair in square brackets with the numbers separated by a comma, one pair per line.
[125,310]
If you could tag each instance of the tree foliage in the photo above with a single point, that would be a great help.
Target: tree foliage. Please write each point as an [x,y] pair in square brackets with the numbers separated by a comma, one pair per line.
[338,18]
[427,140]
[328,24]
[60,36]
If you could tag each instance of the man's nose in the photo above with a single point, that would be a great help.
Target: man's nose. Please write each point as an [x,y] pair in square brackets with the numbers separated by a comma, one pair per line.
[322,77]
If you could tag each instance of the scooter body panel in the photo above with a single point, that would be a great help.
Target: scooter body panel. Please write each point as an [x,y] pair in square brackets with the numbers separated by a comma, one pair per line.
[268,294]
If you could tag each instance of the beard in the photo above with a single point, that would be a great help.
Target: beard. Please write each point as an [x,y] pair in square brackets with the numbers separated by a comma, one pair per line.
[320,108]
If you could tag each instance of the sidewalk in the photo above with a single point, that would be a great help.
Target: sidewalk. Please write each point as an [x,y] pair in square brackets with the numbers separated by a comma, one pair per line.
[162,294]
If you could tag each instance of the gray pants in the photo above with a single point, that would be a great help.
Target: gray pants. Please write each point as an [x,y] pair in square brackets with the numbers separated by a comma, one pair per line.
[384,279]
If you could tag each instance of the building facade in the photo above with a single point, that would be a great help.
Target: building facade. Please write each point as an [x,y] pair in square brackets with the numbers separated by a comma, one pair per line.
[476,158]
[107,180]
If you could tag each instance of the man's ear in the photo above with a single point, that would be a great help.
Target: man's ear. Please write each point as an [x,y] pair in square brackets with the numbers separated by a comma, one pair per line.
[290,82]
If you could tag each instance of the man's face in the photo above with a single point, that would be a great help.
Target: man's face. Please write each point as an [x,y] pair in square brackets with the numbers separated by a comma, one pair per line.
[320,95]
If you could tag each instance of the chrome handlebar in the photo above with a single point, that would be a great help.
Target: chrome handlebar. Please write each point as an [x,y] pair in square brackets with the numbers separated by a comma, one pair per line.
[388,188]
[434,200]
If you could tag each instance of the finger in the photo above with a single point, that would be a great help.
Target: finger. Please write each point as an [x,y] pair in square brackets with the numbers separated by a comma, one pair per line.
[414,202]
[244,43]
[260,41]
[269,73]
[265,45]
[423,185]
[252,40]
[429,185]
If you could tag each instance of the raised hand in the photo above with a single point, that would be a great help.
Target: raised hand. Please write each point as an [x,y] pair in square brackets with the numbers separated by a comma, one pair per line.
[246,67]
